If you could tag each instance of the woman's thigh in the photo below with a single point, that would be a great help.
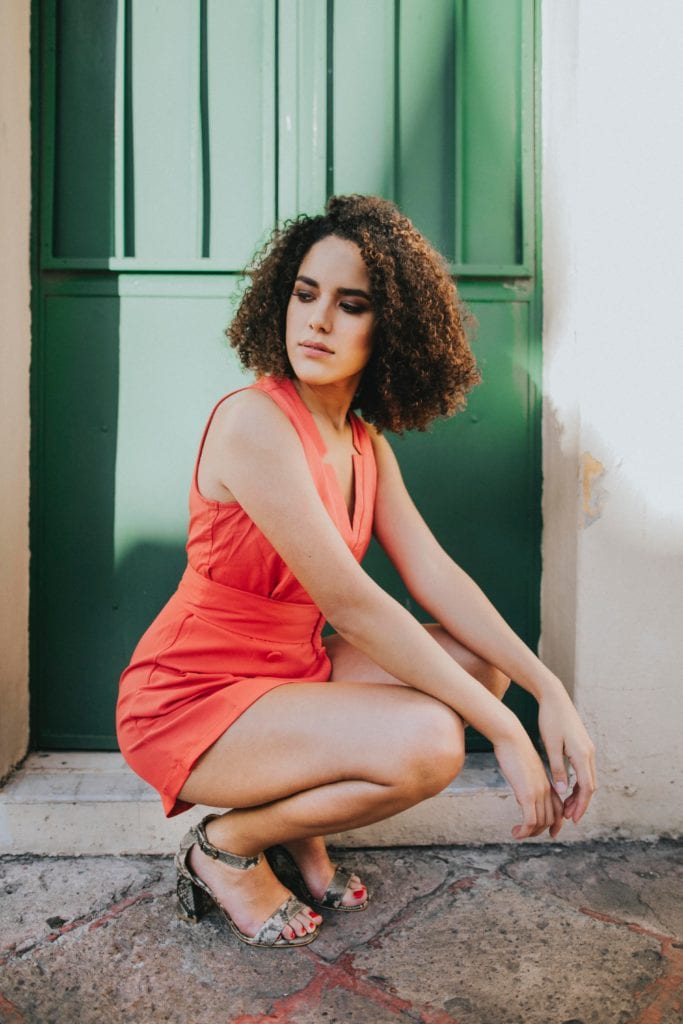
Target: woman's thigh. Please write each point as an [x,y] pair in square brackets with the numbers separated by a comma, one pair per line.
[303,735]
[350,663]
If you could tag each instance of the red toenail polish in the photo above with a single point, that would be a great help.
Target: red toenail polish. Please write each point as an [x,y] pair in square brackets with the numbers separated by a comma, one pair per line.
[358,893]
[312,913]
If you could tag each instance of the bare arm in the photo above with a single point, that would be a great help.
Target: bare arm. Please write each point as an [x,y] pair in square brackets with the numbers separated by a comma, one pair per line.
[282,500]
[454,599]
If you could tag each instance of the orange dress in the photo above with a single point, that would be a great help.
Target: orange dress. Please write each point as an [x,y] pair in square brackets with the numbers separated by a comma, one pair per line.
[239,623]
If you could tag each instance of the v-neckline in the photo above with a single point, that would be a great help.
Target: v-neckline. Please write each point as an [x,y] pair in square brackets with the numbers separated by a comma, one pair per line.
[350,520]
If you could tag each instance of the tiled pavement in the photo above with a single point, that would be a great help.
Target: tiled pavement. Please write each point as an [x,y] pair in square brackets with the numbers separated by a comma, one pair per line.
[542,934]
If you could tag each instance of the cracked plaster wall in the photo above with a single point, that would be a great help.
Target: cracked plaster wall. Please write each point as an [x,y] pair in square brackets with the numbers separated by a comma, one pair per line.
[15,343]
[612,588]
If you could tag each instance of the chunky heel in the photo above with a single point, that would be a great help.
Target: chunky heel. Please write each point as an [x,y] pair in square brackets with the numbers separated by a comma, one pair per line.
[192,901]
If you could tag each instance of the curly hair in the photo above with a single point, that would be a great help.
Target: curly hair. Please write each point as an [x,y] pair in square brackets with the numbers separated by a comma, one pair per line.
[421,365]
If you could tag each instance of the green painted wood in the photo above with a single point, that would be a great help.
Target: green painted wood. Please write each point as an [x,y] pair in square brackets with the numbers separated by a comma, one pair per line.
[240,128]
[431,105]
[364,98]
[170,375]
[74,646]
[84,37]
[495,155]
[302,106]
[165,133]
[209,119]
[426,101]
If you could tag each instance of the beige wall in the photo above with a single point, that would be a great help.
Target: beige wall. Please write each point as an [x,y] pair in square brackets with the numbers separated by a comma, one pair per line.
[15,184]
[612,600]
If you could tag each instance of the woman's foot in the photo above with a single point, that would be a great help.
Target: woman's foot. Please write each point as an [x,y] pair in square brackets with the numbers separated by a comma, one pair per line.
[250,897]
[317,870]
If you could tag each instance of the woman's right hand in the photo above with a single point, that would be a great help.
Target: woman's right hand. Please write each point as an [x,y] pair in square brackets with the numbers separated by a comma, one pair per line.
[522,767]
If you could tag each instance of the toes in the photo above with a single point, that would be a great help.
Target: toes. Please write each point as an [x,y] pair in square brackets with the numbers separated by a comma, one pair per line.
[309,921]
[356,892]
[301,925]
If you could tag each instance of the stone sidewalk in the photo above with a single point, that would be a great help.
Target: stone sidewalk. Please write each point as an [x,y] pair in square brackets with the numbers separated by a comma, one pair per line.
[535,934]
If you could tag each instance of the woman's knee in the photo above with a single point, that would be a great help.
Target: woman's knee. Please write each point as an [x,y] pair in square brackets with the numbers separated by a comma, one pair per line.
[495,681]
[434,750]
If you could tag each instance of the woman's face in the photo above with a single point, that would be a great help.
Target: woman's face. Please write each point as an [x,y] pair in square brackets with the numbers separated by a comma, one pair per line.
[330,320]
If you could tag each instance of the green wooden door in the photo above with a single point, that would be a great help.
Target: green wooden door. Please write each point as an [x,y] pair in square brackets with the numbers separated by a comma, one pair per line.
[171,137]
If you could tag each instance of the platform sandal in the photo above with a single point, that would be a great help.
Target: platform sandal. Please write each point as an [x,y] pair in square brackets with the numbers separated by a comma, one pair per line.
[287,870]
[195,898]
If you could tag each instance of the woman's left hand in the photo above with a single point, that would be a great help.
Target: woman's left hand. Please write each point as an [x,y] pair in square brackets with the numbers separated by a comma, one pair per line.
[564,735]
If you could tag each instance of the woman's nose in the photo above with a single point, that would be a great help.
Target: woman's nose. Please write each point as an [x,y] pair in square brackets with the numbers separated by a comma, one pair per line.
[319,319]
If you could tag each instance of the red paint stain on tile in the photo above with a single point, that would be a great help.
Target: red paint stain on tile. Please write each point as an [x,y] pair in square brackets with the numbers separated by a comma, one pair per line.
[79,922]
[341,975]
[9,1013]
[664,995]
[666,991]
[118,908]
[463,884]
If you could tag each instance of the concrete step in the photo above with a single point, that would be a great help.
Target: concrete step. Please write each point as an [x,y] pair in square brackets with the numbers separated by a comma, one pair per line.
[91,803]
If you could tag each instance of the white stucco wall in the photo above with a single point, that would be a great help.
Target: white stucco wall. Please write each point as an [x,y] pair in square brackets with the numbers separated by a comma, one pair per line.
[612,599]
[15,343]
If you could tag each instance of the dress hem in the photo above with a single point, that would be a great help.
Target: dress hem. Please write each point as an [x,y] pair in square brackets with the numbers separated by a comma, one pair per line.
[181,770]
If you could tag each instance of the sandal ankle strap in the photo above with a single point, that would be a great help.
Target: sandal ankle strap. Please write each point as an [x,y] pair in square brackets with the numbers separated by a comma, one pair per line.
[198,833]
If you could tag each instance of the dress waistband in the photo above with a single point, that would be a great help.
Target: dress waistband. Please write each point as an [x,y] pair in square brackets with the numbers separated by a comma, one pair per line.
[250,614]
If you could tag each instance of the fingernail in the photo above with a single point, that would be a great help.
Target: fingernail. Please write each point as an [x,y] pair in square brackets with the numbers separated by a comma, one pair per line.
[561,787]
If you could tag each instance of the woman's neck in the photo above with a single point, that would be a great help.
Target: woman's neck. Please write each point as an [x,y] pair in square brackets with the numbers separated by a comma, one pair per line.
[329,402]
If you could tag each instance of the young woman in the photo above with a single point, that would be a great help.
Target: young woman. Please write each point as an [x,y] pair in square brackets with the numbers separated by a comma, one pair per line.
[232,699]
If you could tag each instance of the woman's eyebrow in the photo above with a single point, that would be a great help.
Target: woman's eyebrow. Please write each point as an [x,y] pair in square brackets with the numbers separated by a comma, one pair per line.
[342,291]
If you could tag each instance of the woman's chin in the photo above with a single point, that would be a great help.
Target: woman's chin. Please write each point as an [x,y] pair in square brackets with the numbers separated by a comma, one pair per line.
[310,372]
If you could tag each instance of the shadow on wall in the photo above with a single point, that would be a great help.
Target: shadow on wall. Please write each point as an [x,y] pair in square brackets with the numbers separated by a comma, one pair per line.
[145,579]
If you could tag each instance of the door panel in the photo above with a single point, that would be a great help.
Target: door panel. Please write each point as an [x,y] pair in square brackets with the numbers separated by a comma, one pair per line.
[75,647]
[208,121]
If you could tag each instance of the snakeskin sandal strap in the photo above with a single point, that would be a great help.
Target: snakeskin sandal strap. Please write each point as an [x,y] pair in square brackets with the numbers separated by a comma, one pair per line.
[333,895]
[270,930]
[198,833]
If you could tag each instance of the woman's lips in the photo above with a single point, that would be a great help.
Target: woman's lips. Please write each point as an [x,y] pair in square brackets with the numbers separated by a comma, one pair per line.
[315,348]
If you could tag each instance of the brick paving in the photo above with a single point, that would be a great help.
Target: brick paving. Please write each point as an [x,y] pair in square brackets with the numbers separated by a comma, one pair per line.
[588,933]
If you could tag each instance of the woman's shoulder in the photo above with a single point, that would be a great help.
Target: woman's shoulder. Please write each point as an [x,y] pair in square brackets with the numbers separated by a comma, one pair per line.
[250,413]
[371,430]
[377,439]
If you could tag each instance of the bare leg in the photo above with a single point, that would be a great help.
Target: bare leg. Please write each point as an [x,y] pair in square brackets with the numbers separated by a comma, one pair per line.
[310,759]
[350,663]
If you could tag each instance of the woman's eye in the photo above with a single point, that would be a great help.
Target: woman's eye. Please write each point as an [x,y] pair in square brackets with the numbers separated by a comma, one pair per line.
[303,296]
[348,307]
